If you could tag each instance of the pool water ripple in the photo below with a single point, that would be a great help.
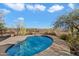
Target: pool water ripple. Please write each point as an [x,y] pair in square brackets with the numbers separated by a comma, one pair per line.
[30,46]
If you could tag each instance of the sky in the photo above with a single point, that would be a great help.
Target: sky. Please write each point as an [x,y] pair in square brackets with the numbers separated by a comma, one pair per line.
[34,15]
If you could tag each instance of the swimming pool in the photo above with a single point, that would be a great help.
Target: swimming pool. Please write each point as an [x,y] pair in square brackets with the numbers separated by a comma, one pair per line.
[30,46]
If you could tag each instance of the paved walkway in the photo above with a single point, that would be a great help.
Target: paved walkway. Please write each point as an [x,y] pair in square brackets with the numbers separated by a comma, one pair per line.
[13,40]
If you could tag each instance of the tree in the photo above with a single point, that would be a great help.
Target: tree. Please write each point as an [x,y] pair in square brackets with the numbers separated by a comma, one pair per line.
[21,30]
[2,27]
[70,22]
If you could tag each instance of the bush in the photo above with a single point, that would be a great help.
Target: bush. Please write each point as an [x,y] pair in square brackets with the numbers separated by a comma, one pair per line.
[72,42]
[53,33]
[64,37]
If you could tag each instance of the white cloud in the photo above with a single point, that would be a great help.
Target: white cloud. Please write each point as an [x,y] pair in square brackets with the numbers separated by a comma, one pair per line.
[40,7]
[55,8]
[71,5]
[37,7]
[29,7]
[16,6]
[5,11]
[21,19]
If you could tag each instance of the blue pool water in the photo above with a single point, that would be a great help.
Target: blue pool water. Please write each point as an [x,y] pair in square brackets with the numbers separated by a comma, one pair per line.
[30,46]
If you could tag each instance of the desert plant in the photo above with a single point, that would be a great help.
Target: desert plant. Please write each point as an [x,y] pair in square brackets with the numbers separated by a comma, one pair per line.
[70,22]
[2,24]
[64,37]
[52,33]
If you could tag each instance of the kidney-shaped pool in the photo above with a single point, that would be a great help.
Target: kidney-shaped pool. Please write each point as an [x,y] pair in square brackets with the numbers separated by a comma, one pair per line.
[30,46]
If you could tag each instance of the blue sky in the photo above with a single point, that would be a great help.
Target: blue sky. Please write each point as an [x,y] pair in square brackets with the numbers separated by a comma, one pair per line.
[38,15]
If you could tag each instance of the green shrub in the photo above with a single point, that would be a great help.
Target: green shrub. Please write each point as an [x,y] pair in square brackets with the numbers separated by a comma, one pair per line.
[72,42]
[64,37]
[52,33]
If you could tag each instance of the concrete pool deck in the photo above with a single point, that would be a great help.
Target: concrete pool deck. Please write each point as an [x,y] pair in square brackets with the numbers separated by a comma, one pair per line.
[59,47]
[13,40]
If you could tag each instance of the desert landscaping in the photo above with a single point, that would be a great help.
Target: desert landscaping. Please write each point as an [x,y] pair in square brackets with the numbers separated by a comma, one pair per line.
[60,39]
